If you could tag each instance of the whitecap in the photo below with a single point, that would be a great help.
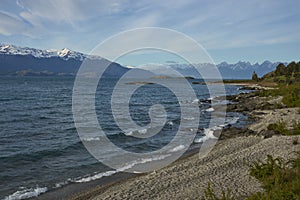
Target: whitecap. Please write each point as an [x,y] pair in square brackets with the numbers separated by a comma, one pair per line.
[178,148]
[209,134]
[195,101]
[142,131]
[200,140]
[129,133]
[210,109]
[170,123]
[96,176]
[91,139]
[27,193]
[189,118]
[142,161]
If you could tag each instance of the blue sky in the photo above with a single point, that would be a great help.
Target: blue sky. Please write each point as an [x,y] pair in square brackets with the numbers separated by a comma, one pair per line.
[230,30]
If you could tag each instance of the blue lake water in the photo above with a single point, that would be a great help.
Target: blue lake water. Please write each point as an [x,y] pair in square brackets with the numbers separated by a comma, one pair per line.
[40,149]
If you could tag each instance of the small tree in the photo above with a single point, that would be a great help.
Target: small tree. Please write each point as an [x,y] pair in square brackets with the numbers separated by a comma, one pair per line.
[280,70]
[255,77]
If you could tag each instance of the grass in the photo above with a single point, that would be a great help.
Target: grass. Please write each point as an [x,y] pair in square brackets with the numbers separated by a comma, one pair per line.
[238,81]
[290,93]
[280,128]
[296,129]
[209,194]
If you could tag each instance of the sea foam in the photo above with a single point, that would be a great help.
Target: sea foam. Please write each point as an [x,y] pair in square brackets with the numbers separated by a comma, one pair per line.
[26,193]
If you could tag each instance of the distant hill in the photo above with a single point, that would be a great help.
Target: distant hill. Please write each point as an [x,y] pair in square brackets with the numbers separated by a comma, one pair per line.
[284,73]
[244,70]
[239,70]
[29,61]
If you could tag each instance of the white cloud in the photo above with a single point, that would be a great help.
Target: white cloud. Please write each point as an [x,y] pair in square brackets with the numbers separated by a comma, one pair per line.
[10,24]
[216,24]
[164,40]
[69,11]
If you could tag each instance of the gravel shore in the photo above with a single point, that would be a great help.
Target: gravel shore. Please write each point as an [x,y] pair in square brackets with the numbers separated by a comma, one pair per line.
[224,167]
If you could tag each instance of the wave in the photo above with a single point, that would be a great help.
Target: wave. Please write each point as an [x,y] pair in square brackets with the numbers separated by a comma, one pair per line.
[208,134]
[121,169]
[26,193]
[188,118]
[202,101]
[142,131]
[91,139]
[170,123]
[142,161]
[196,101]
[178,148]
[210,109]
[34,192]
[95,177]
[129,133]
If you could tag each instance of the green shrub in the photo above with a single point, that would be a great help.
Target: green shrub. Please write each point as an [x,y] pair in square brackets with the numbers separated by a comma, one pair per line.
[269,173]
[281,180]
[279,128]
[290,94]
[296,129]
[209,194]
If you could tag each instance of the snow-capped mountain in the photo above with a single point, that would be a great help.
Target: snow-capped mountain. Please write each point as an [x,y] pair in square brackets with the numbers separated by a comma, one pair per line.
[38,53]
[30,61]
[244,70]
[239,70]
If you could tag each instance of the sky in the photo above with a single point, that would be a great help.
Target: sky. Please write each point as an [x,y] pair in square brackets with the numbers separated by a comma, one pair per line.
[230,30]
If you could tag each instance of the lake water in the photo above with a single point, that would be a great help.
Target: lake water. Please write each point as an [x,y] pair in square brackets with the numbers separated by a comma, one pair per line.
[40,149]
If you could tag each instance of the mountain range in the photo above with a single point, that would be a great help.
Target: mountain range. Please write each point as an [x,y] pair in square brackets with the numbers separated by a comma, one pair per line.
[29,61]
[16,60]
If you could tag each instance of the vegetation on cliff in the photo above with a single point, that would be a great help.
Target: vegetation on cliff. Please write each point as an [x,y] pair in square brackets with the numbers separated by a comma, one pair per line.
[288,83]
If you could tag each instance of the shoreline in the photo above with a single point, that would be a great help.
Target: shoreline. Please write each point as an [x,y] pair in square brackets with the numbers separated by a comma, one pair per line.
[121,184]
[86,190]
[187,178]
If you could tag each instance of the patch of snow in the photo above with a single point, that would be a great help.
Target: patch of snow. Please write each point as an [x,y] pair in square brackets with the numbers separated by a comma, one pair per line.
[38,53]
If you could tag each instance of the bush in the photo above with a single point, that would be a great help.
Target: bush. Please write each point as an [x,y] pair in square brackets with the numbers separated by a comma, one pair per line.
[280,180]
[279,128]
[290,93]
[296,129]
[209,194]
